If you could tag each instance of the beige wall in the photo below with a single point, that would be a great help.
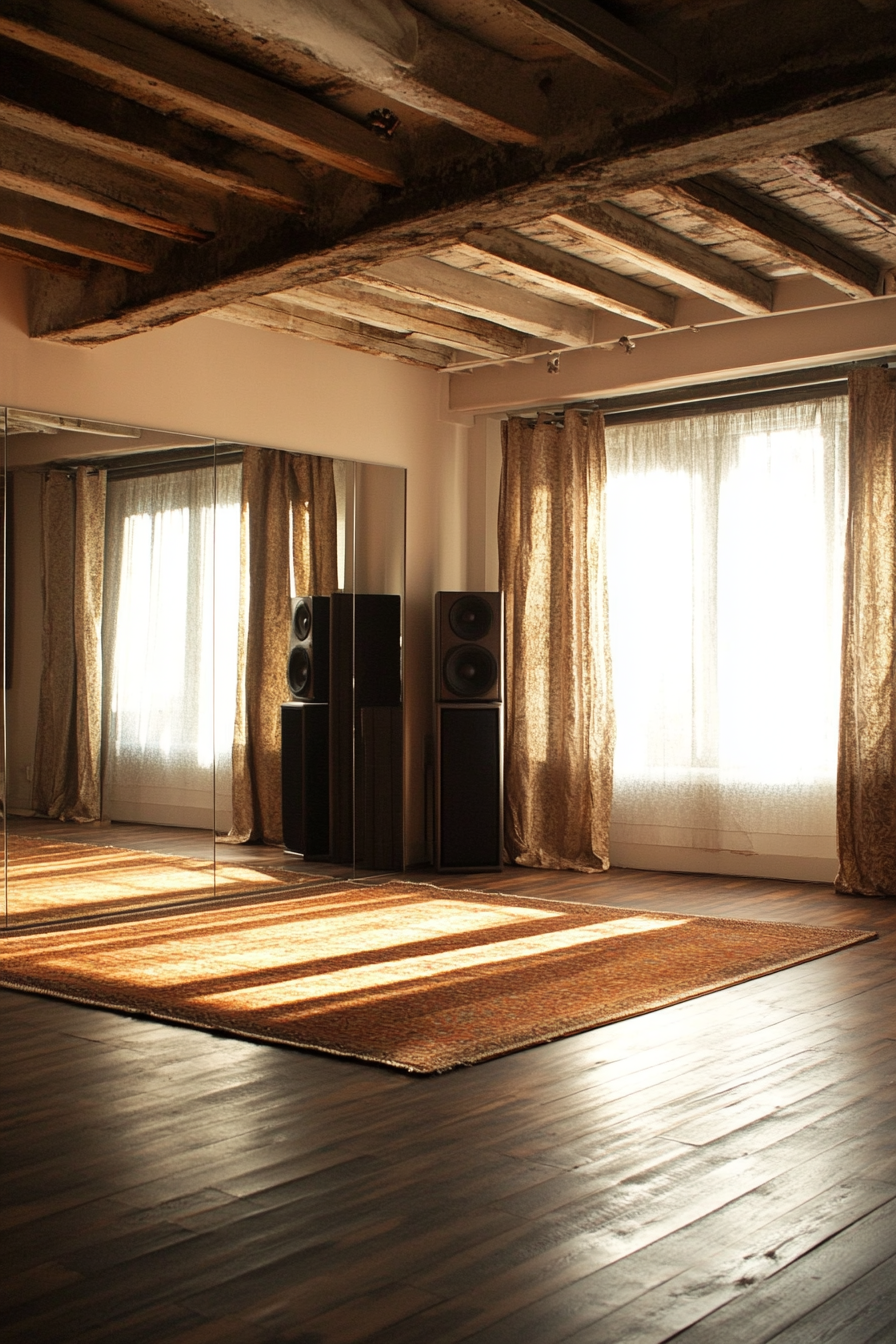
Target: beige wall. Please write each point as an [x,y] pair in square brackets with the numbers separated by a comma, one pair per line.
[208,377]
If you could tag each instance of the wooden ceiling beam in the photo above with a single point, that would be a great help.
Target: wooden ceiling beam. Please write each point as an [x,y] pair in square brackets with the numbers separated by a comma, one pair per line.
[598,37]
[70,112]
[348,299]
[71,231]
[663,253]
[847,180]
[853,98]
[399,53]
[72,177]
[570,277]
[140,64]
[788,238]
[424,281]
[272,314]
[39,258]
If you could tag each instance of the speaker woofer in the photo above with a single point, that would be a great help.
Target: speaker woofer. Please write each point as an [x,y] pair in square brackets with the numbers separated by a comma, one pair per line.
[298,670]
[470,670]
[470,617]
[301,620]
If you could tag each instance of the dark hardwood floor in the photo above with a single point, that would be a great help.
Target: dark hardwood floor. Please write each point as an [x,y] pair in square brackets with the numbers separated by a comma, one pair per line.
[720,1172]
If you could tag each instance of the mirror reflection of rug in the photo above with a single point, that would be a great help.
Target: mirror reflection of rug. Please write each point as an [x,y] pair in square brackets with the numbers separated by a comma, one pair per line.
[415,976]
[59,879]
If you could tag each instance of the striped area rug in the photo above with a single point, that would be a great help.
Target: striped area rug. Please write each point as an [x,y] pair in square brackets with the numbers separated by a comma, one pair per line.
[414,976]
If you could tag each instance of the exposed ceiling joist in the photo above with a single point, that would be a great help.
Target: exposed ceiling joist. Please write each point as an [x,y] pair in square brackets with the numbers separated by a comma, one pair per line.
[346,298]
[140,64]
[423,280]
[71,177]
[844,178]
[598,37]
[571,277]
[55,226]
[38,258]
[399,52]
[792,240]
[274,315]
[661,252]
[485,189]
[69,112]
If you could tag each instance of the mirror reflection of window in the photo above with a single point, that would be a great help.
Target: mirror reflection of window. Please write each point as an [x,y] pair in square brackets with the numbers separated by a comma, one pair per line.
[170,643]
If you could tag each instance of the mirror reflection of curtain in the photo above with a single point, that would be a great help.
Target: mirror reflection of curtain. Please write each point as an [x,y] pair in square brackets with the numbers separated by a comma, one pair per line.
[866,778]
[287,548]
[560,722]
[67,747]
[172,570]
[725,544]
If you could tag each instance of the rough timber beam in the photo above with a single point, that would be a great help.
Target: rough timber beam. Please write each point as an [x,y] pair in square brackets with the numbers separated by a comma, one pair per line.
[781,115]
[347,299]
[570,277]
[589,31]
[71,177]
[274,315]
[789,239]
[844,178]
[70,112]
[402,54]
[422,280]
[667,254]
[140,64]
[71,231]
[39,258]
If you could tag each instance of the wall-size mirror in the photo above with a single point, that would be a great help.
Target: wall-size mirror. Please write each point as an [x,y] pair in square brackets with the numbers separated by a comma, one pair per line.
[152,585]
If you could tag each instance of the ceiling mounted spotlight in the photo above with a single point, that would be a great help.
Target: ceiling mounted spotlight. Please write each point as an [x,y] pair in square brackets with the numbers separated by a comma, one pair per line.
[554,364]
[382,122]
[626,344]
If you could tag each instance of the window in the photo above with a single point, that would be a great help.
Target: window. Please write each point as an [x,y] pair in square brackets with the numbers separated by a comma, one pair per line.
[725,561]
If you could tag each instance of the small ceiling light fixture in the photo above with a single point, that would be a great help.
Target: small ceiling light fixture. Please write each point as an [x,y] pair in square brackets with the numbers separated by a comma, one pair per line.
[554,364]
[625,343]
[382,122]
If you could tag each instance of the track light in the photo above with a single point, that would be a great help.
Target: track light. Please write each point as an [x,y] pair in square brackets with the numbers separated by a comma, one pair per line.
[626,344]
[554,364]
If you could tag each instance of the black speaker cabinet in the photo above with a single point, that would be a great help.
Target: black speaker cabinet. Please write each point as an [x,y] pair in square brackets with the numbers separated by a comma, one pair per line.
[469,787]
[379,760]
[365,673]
[308,662]
[469,646]
[305,774]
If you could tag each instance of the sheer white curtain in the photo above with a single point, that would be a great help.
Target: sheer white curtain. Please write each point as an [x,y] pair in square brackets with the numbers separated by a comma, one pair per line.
[725,563]
[170,645]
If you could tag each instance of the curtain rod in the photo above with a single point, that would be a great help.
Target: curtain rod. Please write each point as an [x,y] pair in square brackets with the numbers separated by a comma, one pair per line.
[795,384]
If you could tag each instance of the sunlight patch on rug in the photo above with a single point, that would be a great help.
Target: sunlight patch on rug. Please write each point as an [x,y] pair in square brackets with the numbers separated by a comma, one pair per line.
[405,974]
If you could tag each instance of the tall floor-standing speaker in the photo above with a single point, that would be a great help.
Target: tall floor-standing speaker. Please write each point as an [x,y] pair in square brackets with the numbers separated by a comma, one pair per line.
[305,776]
[469,784]
[305,731]
[365,675]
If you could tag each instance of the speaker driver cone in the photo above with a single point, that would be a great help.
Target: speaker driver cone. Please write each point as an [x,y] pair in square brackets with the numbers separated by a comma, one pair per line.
[301,620]
[298,670]
[470,617]
[470,670]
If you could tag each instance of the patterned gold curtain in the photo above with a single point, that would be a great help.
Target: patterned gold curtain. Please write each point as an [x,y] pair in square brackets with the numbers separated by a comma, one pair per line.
[67,750]
[560,723]
[288,522]
[866,773]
